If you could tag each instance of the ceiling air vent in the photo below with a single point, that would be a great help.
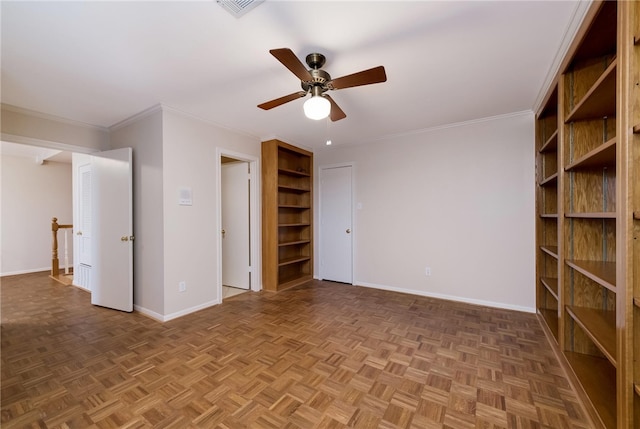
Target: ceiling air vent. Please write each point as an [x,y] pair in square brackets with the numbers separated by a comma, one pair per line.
[238,8]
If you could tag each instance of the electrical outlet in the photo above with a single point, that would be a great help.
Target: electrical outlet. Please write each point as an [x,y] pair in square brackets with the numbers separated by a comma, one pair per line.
[182,287]
[427,271]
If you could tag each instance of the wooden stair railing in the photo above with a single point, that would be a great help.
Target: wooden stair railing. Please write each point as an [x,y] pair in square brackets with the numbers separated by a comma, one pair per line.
[55,263]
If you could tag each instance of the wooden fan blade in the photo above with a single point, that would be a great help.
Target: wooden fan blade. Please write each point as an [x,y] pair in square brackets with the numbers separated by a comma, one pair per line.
[336,112]
[365,77]
[290,61]
[278,101]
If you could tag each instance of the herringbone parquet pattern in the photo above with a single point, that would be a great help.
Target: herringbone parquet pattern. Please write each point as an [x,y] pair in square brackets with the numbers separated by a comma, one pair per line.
[322,355]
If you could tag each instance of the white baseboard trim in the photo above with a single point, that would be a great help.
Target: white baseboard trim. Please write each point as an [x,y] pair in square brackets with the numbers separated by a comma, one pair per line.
[492,304]
[165,318]
[81,287]
[29,271]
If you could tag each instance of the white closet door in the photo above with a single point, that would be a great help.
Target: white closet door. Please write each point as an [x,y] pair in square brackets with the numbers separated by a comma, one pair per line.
[336,243]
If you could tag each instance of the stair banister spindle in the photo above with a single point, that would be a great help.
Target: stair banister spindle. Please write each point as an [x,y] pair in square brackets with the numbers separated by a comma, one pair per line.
[55,267]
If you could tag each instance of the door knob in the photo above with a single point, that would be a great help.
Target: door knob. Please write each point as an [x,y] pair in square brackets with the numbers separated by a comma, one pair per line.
[348,230]
[79,233]
[124,238]
[223,232]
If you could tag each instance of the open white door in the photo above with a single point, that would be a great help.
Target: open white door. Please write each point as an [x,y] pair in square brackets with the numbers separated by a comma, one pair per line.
[235,225]
[112,229]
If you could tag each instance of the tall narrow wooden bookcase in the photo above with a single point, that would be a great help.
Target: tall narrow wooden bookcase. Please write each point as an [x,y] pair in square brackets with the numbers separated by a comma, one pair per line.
[287,215]
[588,162]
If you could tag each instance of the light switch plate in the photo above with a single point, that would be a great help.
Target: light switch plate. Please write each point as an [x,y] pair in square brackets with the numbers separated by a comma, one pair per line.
[185,197]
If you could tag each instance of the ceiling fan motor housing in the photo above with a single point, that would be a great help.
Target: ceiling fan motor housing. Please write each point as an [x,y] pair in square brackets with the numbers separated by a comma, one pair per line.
[315,60]
[320,78]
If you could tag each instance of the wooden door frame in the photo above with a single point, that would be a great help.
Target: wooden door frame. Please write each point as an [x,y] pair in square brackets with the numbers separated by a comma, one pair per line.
[354,230]
[254,218]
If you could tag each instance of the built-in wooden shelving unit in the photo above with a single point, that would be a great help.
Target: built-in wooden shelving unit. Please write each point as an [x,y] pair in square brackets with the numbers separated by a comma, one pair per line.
[547,136]
[588,198]
[287,221]
[632,239]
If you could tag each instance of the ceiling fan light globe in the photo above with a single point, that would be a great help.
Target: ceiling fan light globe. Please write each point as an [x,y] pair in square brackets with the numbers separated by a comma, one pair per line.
[317,107]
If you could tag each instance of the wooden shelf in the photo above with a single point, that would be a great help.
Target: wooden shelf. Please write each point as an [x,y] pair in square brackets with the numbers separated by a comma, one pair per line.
[290,281]
[551,179]
[290,225]
[599,215]
[549,215]
[551,284]
[600,39]
[292,188]
[598,378]
[602,156]
[636,215]
[636,388]
[636,302]
[601,272]
[551,144]
[636,129]
[293,243]
[550,250]
[600,100]
[295,173]
[550,317]
[293,206]
[600,326]
[295,260]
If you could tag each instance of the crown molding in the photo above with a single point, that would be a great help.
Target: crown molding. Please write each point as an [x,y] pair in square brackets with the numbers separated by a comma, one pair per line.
[579,13]
[136,117]
[49,117]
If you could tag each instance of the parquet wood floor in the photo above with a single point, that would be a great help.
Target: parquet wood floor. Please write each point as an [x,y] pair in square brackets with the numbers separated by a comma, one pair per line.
[322,355]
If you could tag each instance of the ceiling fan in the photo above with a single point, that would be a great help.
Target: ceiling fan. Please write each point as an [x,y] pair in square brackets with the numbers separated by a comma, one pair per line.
[317,82]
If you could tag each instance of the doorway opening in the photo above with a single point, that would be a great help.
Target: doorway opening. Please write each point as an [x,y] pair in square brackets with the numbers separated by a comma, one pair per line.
[237,221]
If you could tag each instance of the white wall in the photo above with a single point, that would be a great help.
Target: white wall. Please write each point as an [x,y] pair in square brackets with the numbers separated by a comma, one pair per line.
[459,200]
[191,232]
[144,135]
[32,194]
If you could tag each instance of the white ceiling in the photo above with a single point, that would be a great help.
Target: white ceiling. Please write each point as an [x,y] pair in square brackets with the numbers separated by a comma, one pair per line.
[446,62]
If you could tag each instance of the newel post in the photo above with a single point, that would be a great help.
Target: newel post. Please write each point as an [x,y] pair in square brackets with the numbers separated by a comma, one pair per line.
[55,267]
